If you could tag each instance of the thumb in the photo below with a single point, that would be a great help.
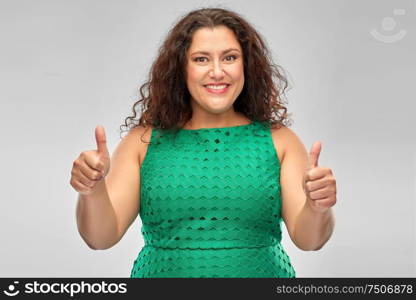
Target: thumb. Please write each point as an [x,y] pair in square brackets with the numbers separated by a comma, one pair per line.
[314,154]
[101,140]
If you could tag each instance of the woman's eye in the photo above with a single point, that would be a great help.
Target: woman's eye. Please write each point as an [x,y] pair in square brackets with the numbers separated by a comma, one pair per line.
[199,59]
[231,56]
[204,59]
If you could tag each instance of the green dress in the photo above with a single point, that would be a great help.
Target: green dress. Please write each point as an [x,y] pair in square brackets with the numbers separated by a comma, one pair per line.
[211,205]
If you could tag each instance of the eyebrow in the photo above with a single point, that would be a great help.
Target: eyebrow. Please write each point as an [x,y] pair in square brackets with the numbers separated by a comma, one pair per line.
[223,52]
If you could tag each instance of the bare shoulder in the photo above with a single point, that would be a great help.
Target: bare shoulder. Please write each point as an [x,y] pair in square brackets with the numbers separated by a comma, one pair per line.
[284,139]
[139,138]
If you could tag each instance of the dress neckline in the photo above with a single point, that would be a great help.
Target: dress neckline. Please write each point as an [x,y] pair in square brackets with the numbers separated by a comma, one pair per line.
[219,128]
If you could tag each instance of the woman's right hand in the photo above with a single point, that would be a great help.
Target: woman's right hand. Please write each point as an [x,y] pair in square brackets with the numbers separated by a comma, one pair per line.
[91,167]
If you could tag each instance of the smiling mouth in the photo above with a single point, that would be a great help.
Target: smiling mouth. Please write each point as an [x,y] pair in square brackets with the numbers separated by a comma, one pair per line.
[217,89]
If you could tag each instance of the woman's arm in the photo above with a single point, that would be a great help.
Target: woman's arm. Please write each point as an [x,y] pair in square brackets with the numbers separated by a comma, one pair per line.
[96,218]
[104,217]
[308,193]
[313,229]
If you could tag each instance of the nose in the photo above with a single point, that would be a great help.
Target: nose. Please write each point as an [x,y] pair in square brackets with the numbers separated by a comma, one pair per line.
[217,71]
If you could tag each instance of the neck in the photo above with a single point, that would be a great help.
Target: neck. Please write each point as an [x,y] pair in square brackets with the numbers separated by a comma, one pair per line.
[217,121]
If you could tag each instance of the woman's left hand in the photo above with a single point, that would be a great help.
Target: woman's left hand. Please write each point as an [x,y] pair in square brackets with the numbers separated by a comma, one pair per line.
[319,183]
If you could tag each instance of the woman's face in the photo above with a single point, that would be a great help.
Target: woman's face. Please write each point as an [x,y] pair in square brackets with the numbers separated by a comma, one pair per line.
[214,69]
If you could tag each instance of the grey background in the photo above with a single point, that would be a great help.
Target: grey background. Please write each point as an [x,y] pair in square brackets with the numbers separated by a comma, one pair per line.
[67,66]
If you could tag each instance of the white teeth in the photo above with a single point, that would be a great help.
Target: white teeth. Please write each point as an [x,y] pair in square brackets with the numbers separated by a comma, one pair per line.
[216,87]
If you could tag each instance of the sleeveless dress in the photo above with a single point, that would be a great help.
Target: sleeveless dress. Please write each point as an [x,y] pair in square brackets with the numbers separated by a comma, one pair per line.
[210,205]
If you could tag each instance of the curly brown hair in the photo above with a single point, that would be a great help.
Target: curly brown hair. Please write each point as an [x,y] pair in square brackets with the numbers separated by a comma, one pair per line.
[165,97]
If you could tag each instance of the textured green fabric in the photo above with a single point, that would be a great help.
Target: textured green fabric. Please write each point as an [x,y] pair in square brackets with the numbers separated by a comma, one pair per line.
[211,206]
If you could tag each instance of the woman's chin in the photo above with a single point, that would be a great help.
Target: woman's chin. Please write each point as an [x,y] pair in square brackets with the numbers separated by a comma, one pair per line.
[218,110]
[218,107]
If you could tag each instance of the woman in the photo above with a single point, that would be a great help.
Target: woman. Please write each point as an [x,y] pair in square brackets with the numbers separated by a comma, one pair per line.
[211,167]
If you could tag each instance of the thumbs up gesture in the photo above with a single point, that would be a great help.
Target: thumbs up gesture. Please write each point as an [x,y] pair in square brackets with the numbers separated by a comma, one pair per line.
[92,166]
[319,183]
